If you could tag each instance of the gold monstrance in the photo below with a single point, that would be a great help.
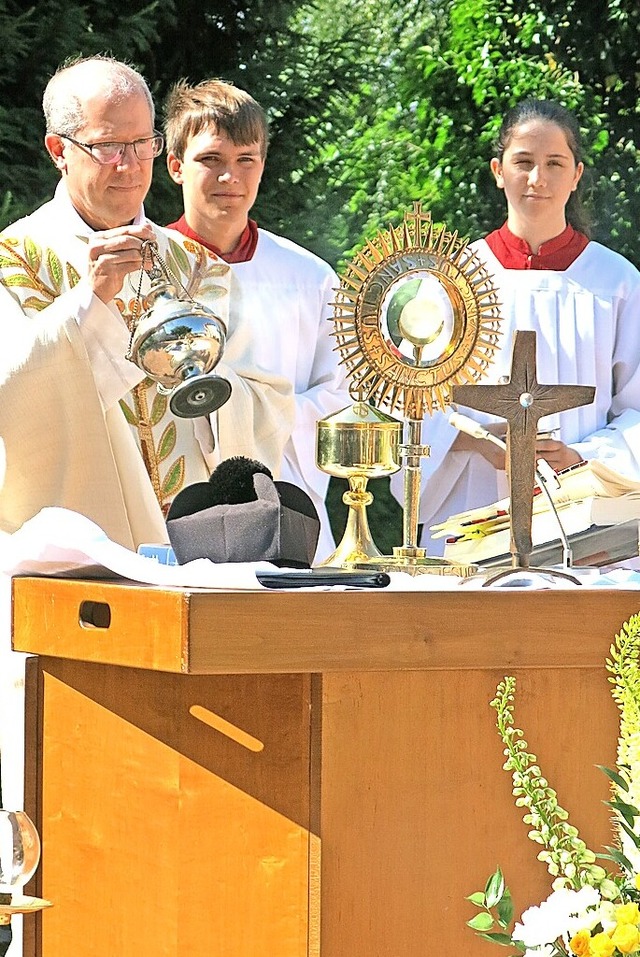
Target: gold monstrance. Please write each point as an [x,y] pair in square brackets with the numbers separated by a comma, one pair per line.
[416,313]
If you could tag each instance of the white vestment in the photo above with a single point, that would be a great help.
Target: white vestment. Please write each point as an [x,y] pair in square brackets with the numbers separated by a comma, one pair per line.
[587,320]
[285,294]
[69,421]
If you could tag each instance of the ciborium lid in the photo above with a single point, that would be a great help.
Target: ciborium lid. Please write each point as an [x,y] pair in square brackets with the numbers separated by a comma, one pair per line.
[363,415]
[359,439]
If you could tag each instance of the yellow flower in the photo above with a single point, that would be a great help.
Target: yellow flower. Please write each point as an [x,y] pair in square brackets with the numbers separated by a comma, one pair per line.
[579,943]
[601,946]
[636,881]
[627,913]
[626,938]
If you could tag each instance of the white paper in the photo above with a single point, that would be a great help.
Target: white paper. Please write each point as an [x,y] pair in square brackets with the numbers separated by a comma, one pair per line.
[64,543]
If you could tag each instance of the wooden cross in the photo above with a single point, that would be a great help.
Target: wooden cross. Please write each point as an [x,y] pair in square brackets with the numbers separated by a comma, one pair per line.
[522,401]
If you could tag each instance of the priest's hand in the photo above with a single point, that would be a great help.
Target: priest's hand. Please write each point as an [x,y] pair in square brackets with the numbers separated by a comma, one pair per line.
[113,253]
[557,454]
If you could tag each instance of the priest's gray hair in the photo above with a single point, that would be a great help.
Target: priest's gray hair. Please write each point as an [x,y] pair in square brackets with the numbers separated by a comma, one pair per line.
[74,80]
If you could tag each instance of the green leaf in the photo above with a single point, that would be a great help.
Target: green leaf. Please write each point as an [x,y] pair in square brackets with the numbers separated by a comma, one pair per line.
[158,408]
[73,276]
[630,832]
[614,776]
[174,479]
[483,922]
[181,257]
[54,268]
[497,938]
[33,254]
[627,811]
[505,909]
[217,269]
[494,889]
[617,856]
[477,899]
[167,442]
[128,413]
[210,290]
[19,279]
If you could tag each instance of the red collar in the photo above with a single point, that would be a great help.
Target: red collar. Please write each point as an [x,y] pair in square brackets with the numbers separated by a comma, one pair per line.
[515,253]
[242,253]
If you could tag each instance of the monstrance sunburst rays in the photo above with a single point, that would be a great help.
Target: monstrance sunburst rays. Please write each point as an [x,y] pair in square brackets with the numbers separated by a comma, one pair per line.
[415,314]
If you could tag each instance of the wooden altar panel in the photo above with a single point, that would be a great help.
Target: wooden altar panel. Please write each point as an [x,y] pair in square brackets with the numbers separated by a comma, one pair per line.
[202,632]
[417,811]
[166,835]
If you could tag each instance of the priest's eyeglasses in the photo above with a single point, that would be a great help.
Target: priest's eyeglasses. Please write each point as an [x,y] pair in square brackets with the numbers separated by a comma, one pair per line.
[108,154]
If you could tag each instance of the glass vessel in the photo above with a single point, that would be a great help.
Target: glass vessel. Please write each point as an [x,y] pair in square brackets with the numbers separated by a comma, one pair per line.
[19,852]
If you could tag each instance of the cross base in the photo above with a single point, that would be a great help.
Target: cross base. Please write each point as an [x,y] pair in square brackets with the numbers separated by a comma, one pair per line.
[525,572]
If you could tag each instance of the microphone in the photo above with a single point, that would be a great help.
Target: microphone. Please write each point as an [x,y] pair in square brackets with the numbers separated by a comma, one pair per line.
[545,475]
[465,424]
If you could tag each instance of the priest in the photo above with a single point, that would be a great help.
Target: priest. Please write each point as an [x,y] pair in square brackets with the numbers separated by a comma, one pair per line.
[81,426]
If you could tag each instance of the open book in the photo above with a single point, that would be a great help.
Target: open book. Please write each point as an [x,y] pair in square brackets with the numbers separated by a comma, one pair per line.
[586,494]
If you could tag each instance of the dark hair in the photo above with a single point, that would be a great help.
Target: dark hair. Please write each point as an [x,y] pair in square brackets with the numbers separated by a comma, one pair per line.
[552,112]
[232,111]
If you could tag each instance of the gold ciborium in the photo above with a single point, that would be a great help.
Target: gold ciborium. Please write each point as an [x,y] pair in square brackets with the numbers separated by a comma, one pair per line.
[358,443]
[177,342]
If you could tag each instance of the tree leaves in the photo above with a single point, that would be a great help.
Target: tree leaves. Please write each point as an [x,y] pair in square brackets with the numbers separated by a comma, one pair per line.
[371,107]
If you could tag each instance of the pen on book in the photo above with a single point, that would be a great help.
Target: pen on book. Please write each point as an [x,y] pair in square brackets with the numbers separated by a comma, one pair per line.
[474,515]
[474,526]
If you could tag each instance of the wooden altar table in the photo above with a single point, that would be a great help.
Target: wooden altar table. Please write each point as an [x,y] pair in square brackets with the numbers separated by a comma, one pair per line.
[298,774]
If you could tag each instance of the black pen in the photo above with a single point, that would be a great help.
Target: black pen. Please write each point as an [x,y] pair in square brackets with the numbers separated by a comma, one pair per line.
[307,578]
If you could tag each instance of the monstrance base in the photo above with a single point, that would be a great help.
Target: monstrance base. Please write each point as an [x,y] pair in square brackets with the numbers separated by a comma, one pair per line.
[418,566]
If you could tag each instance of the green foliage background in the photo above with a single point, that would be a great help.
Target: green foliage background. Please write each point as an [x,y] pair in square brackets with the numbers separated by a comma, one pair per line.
[372,106]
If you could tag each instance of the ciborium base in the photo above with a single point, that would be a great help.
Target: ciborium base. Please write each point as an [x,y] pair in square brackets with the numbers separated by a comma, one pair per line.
[198,395]
[356,545]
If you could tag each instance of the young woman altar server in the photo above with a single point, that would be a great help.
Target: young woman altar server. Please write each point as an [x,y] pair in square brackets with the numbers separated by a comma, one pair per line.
[581,298]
